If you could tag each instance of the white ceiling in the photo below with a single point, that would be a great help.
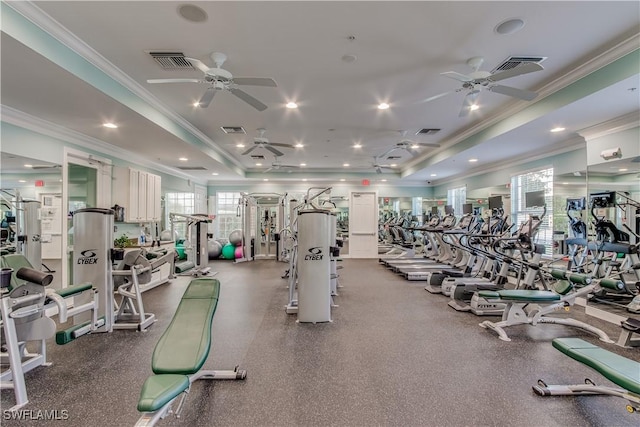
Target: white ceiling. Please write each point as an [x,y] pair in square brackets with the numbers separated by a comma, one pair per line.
[401,49]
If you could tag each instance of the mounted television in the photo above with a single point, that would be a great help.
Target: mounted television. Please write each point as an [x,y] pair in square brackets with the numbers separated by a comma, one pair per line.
[495,202]
[467,208]
[448,209]
[534,199]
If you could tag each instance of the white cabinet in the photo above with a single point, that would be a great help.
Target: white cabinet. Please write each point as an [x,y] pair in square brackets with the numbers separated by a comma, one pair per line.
[138,193]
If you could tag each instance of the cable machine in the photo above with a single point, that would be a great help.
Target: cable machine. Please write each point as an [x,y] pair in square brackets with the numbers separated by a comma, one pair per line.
[263,220]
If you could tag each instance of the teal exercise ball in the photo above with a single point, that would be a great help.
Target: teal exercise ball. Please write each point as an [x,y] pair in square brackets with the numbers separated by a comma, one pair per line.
[228,251]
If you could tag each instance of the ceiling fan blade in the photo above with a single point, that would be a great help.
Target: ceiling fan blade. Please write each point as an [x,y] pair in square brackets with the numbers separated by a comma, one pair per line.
[279,144]
[248,99]
[411,151]
[207,97]
[431,98]
[457,76]
[526,95]
[268,170]
[529,67]
[175,81]
[468,101]
[250,150]
[255,81]
[198,64]
[428,144]
[273,150]
[386,153]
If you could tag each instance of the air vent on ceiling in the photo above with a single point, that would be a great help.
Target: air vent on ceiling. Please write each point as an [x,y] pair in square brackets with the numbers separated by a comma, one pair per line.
[427,131]
[233,129]
[514,61]
[192,168]
[171,60]
[257,157]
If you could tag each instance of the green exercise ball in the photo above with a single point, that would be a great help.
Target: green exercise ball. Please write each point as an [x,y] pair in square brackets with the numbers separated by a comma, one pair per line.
[228,251]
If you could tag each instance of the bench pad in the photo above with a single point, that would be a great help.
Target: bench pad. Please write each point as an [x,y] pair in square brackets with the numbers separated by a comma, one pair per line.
[184,345]
[75,289]
[158,390]
[521,295]
[617,369]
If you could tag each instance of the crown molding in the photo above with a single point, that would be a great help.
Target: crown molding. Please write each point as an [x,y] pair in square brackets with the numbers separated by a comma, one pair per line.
[52,27]
[44,127]
[619,124]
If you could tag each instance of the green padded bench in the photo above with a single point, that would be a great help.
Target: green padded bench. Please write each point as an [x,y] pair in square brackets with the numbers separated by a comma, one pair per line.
[623,372]
[181,352]
[524,306]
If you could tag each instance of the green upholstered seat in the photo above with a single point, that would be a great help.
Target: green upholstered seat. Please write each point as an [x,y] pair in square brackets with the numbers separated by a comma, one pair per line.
[520,295]
[617,369]
[17,261]
[158,390]
[184,346]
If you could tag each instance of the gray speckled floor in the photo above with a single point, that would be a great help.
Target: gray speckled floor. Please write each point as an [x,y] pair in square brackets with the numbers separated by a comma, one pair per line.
[395,355]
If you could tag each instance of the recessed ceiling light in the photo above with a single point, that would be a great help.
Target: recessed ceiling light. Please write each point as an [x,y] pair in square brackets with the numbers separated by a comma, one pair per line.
[473,160]
[215,174]
[433,174]
[623,170]
[299,145]
[110,125]
[342,179]
[258,164]
[303,164]
[240,145]
[383,106]
[346,165]
[383,180]
[28,166]
[22,181]
[393,165]
[292,105]
[509,26]
[357,145]
[265,179]
[304,179]
[565,183]
[196,104]
[473,107]
[414,146]
[558,129]
[183,159]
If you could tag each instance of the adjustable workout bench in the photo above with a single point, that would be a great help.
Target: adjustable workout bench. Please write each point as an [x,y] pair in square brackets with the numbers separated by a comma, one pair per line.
[531,306]
[622,371]
[181,352]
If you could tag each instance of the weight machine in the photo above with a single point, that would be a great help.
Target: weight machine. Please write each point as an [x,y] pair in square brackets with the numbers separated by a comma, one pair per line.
[263,222]
[195,244]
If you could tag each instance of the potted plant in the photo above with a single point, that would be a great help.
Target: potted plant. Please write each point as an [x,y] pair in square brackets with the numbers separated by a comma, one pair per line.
[120,243]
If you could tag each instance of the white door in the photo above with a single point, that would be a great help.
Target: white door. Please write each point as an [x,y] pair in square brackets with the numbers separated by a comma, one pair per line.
[363,225]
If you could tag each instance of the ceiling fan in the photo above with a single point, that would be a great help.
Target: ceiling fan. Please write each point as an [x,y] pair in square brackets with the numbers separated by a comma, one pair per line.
[219,79]
[477,80]
[378,167]
[263,142]
[408,146]
[276,165]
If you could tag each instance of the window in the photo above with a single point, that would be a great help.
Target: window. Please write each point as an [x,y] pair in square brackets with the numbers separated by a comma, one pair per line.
[227,218]
[456,197]
[526,183]
[181,203]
